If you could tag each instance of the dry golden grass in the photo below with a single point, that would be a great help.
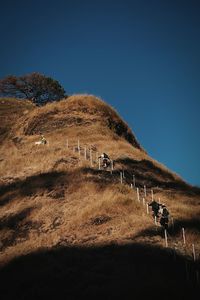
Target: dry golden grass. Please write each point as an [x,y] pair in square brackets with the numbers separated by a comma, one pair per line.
[81,204]
[54,196]
[11,110]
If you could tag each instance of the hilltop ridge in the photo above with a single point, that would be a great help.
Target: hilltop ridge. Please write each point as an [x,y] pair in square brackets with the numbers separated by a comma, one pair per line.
[78,111]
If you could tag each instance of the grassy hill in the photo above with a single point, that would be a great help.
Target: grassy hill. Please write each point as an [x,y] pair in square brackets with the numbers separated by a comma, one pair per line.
[69,229]
[11,110]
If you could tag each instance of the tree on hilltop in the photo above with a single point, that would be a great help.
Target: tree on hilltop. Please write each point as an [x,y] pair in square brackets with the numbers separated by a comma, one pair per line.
[35,86]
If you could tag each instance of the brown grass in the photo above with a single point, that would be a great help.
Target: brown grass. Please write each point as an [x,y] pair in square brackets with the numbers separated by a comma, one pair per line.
[11,110]
[51,196]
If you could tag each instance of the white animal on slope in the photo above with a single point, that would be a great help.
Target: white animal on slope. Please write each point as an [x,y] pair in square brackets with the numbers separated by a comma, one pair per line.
[39,143]
[42,141]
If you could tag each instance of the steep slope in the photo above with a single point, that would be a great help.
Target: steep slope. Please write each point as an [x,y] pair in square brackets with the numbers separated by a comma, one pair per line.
[58,208]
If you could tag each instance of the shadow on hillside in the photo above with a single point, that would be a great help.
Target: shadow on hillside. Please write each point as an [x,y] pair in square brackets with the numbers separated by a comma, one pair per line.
[18,227]
[53,183]
[33,185]
[101,177]
[193,224]
[174,229]
[110,272]
[146,173]
[12,221]
[150,232]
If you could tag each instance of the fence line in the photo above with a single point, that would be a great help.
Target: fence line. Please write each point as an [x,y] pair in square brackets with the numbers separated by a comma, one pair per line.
[133,186]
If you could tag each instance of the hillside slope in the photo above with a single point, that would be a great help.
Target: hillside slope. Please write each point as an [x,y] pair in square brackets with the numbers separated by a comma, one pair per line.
[11,110]
[70,228]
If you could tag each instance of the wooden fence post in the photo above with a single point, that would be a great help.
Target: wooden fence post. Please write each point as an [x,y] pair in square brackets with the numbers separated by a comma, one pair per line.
[134,180]
[138,194]
[145,191]
[152,194]
[183,232]
[166,242]
[99,163]
[91,158]
[111,166]
[172,220]
[147,208]
[121,178]
[79,150]
[193,251]
[85,153]
[143,201]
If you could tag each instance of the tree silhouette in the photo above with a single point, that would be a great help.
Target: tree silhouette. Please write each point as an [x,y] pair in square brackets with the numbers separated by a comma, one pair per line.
[35,86]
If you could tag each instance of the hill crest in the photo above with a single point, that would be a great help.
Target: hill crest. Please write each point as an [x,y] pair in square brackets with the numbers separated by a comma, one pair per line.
[77,110]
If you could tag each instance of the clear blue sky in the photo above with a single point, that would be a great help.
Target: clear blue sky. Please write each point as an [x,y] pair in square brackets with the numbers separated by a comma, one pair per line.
[142,57]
